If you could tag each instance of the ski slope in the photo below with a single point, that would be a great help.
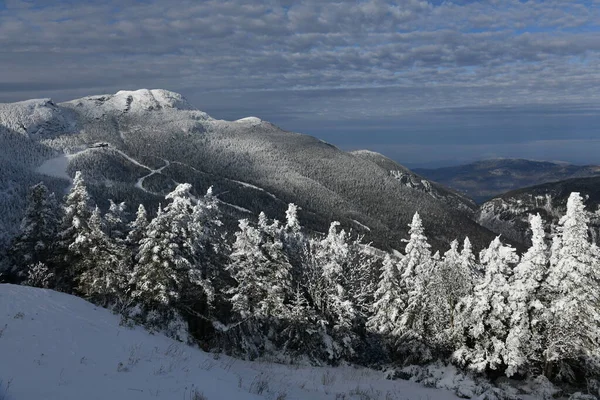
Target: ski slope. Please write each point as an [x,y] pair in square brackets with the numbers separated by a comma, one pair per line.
[55,346]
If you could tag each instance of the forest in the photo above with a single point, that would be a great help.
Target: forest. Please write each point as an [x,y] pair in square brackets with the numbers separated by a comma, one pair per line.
[273,289]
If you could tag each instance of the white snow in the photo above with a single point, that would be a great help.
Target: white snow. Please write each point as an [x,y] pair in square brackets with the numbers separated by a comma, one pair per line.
[55,346]
[252,121]
[55,167]
[361,225]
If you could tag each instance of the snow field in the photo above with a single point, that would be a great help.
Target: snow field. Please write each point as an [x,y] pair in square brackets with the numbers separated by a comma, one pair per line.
[55,346]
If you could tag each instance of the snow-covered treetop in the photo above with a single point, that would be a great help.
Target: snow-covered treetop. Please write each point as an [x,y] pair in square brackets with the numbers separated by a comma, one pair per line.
[291,215]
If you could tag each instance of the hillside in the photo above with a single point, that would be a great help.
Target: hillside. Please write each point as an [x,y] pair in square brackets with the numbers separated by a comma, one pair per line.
[135,146]
[410,179]
[59,347]
[483,180]
[508,214]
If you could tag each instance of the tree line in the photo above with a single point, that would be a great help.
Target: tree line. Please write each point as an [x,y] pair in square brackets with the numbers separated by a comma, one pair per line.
[271,288]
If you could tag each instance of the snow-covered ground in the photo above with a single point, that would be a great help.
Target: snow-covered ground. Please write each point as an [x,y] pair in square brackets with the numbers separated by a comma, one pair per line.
[57,346]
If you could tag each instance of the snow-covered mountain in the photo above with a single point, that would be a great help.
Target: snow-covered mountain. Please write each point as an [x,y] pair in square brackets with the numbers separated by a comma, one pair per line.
[509,213]
[483,180]
[59,347]
[135,146]
[410,179]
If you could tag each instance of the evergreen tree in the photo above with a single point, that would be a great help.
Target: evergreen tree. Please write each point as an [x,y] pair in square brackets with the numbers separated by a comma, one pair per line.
[416,269]
[573,288]
[73,235]
[330,295]
[468,261]
[525,339]
[137,228]
[451,281]
[488,311]
[34,244]
[116,221]
[263,281]
[388,305]
[104,267]
[166,267]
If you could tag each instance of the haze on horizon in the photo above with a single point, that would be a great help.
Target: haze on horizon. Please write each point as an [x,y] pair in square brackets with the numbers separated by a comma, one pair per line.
[423,82]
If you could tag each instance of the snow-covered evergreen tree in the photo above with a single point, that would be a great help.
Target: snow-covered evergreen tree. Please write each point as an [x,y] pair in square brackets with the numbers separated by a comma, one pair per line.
[165,257]
[573,290]
[488,311]
[524,344]
[262,277]
[416,269]
[105,266]
[115,221]
[451,281]
[388,304]
[73,234]
[468,261]
[330,294]
[137,228]
[34,244]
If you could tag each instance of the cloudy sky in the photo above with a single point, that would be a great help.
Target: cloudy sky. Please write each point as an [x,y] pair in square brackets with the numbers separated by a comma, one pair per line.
[421,81]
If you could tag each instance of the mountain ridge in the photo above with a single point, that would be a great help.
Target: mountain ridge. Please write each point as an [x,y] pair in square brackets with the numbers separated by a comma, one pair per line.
[485,179]
[254,165]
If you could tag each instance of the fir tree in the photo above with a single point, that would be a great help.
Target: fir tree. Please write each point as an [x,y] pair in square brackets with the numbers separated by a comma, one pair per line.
[137,228]
[262,275]
[487,312]
[104,275]
[451,281]
[331,296]
[416,269]
[525,339]
[573,288]
[388,303]
[165,267]
[73,234]
[116,221]
[34,244]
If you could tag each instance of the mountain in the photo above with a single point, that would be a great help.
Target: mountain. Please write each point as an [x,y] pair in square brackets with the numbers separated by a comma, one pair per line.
[508,214]
[483,180]
[134,146]
[410,179]
[59,347]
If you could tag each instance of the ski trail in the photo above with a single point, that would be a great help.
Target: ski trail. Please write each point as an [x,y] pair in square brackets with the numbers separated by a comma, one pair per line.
[241,183]
[140,182]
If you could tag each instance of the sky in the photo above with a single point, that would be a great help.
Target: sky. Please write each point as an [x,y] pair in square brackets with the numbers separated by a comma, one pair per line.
[427,83]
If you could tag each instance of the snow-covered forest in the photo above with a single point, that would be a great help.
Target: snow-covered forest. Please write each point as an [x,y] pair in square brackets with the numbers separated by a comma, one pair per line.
[273,289]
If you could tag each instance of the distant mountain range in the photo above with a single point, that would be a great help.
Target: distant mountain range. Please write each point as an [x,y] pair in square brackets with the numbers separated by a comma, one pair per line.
[134,146]
[484,180]
[509,213]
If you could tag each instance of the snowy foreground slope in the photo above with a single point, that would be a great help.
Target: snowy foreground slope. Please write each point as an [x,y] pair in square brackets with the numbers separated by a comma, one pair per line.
[57,346]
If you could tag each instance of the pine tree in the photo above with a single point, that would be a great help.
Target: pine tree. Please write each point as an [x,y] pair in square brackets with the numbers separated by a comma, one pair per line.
[332,298]
[487,312]
[525,339]
[416,269]
[210,252]
[72,236]
[573,288]
[261,272]
[263,281]
[137,228]
[104,275]
[165,267]
[34,244]
[116,221]
[156,278]
[452,280]
[388,303]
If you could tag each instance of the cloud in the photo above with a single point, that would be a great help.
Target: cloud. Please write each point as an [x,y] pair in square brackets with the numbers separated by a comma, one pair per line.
[325,60]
